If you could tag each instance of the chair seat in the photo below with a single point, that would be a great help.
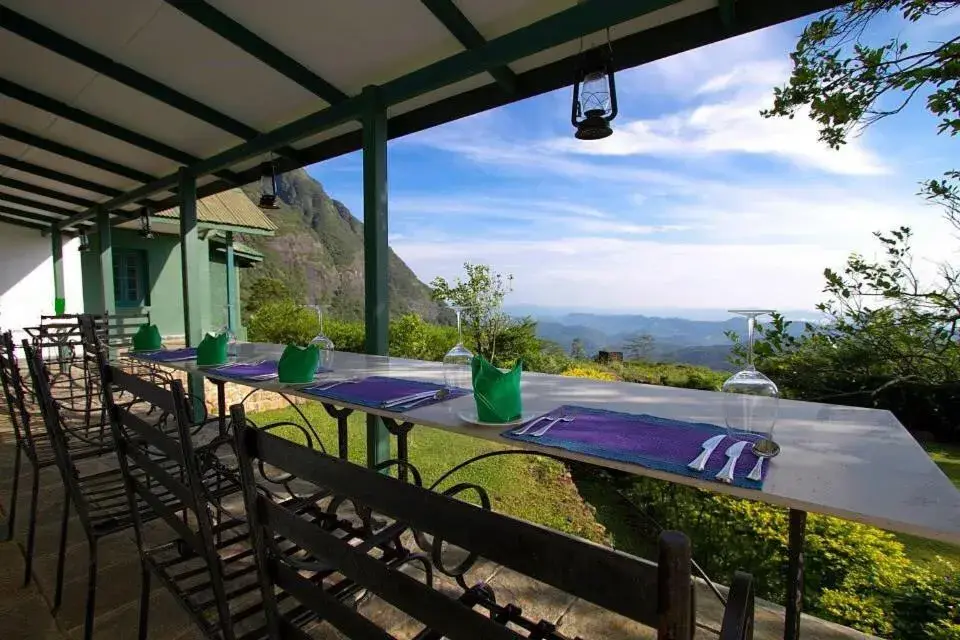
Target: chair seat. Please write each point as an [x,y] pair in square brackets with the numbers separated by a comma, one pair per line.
[187,577]
[108,505]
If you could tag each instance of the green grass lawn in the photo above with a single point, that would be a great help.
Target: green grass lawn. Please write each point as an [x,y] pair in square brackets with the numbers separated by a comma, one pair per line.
[541,490]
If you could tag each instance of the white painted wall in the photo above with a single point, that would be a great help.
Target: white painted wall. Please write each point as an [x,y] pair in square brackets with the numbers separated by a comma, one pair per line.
[26,278]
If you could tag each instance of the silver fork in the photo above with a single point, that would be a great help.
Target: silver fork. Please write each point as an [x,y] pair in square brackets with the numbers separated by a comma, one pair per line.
[530,424]
[540,432]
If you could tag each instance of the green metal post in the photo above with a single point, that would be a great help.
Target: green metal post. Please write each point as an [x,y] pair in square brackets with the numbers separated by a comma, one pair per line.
[376,312]
[233,304]
[59,301]
[189,255]
[105,240]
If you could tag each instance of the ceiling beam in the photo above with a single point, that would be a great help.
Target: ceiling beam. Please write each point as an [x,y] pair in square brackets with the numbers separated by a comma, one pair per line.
[51,174]
[72,50]
[65,178]
[74,154]
[464,31]
[42,206]
[65,111]
[31,215]
[45,192]
[26,224]
[728,13]
[234,32]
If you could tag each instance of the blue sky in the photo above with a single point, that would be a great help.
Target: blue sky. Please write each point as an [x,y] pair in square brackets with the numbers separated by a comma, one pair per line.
[695,202]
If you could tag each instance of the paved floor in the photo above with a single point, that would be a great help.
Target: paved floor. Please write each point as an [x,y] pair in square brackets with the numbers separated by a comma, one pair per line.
[25,612]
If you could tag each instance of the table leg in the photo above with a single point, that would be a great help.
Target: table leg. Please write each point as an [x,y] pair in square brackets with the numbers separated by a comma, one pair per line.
[400,430]
[798,529]
[343,437]
[221,405]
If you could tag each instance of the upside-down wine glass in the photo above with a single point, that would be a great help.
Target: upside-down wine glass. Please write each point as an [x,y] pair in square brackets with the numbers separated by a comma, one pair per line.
[457,372]
[231,336]
[753,399]
[324,344]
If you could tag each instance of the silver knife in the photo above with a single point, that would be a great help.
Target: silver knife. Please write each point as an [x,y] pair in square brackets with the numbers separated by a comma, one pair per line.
[733,454]
[709,445]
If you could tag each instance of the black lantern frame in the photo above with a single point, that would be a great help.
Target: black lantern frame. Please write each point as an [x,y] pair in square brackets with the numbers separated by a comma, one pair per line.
[594,124]
[145,231]
[268,186]
[84,241]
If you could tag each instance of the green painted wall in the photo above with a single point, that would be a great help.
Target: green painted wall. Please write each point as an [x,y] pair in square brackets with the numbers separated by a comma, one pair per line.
[163,272]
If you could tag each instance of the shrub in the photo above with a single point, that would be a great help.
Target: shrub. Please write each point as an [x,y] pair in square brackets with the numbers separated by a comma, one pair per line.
[346,336]
[283,322]
[592,372]
[855,575]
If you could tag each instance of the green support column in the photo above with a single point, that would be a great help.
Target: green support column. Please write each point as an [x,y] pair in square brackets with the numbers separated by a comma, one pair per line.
[233,302]
[105,240]
[189,256]
[59,301]
[376,313]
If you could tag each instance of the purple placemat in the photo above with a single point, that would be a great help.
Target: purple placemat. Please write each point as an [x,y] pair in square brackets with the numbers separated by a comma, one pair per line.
[374,391]
[249,371]
[657,443]
[169,355]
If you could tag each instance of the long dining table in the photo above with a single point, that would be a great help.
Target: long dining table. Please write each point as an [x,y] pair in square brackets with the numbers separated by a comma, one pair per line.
[854,463]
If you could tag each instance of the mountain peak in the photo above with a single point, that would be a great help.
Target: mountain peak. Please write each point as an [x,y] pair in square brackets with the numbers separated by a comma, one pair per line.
[318,253]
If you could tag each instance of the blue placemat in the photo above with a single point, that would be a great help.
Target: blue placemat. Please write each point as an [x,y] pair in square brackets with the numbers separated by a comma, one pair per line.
[169,355]
[649,441]
[374,391]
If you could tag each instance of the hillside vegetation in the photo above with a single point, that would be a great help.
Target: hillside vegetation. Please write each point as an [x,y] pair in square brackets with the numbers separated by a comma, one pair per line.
[317,255]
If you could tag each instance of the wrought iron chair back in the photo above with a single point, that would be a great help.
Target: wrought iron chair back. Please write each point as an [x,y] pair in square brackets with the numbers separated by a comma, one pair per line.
[55,430]
[16,394]
[659,595]
[151,457]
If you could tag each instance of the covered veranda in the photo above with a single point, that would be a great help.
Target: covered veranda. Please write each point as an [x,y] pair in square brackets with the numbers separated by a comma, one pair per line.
[114,108]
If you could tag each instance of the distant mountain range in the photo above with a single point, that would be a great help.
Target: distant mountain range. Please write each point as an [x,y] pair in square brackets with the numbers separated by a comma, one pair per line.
[700,342]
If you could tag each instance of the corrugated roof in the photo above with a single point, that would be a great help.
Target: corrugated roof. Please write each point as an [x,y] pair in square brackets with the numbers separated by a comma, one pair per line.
[231,208]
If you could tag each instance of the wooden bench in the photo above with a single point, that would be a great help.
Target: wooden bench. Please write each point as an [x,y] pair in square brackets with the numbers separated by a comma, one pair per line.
[658,595]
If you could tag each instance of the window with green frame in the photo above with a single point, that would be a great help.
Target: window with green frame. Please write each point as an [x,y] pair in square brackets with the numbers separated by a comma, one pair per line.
[130,280]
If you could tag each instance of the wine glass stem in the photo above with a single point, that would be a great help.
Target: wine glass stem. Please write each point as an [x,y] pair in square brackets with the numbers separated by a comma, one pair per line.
[751,326]
[459,328]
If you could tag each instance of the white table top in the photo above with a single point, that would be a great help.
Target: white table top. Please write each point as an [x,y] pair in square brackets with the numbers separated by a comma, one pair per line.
[858,464]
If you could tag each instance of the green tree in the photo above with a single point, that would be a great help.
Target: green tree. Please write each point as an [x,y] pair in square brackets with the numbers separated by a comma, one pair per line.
[889,341]
[577,351]
[847,82]
[480,296]
[264,291]
[639,346]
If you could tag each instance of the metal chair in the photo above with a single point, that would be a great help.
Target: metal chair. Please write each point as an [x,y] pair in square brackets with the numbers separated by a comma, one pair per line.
[33,442]
[209,566]
[205,566]
[99,498]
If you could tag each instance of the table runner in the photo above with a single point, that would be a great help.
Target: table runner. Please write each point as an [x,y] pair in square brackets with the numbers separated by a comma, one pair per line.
[649,441]
[374,391]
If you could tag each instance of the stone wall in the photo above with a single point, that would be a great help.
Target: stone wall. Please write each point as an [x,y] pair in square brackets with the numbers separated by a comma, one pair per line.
[261,400]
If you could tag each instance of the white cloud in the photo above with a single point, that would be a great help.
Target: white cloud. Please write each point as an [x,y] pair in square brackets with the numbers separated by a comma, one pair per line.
[730,126]
[733,245]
